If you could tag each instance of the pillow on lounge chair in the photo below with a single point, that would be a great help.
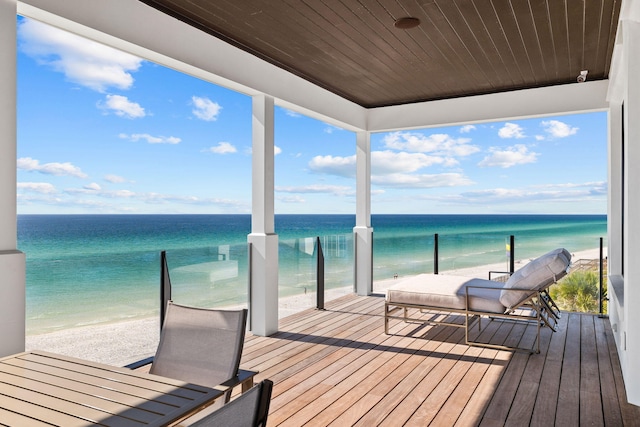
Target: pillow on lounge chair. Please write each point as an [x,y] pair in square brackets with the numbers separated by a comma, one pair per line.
[536,275]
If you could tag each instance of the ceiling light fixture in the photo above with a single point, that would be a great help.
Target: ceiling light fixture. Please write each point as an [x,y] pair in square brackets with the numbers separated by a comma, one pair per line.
[406,23]
[583,76]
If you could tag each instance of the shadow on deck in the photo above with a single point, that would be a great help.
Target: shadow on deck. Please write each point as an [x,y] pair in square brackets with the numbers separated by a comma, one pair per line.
[337,367]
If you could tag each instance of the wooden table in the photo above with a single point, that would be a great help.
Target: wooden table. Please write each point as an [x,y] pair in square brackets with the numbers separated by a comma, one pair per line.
[43,389]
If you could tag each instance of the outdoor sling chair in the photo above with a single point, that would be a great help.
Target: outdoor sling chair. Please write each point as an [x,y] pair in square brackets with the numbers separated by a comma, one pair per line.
[201,346]
[248,410]
[523,297]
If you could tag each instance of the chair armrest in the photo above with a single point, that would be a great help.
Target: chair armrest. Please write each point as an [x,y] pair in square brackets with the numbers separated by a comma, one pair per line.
[244,377]
[140,363]
[499,272]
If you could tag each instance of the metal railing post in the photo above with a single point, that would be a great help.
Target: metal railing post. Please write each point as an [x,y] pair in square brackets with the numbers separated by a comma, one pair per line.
[319,275]
[165,287]
[601,288]
[435,253]
[249,263]
[512,253]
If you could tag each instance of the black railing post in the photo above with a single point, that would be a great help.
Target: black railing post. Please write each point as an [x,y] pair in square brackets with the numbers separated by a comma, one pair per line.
[319,275]
[512,253]
[435,253]
[165,286]
[249,264]
[601,289]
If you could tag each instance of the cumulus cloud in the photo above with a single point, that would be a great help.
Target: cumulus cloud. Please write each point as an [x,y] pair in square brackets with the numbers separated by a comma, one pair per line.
[37,187]
[517,155]
[439,144]
[150,138]
[122,107]
[511,130]
[558,129]
[385,162]
[334,165]
[82,61]
[205,109]
[467,128]
[222,148]
[58,169]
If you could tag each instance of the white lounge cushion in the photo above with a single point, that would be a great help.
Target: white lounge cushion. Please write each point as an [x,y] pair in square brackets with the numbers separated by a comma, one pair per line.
[447,292]
[536,275]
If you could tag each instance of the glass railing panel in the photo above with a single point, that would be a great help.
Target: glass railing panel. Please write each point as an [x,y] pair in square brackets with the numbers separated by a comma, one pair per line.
[213,276]
[298,269]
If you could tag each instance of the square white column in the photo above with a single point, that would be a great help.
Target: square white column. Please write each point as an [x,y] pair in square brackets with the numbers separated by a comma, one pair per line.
[12,262]
[363,232]
[263,316]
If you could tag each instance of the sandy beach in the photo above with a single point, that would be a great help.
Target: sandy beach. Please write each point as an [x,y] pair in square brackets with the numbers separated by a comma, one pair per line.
[125,342]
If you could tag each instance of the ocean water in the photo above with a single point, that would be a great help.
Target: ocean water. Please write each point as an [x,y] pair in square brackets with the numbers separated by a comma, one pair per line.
[93,269]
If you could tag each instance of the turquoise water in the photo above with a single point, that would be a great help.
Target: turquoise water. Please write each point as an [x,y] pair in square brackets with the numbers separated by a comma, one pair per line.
[92,269]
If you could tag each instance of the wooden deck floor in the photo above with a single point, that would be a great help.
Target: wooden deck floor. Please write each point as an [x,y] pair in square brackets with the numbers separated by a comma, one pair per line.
[337,367]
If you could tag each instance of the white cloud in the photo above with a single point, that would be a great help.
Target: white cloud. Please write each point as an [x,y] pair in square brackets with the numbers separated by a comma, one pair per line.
[93,187]
[539,137]
[511,130]
[558,129]
[82,61]
[115,179]
[58,169]
[340,166]
[205,109]
[276,150]
[439,143]
[292,199]
[37,187]
[385,162]
[222,148]
[122,107]
[150,138]
[581,193]
[467,128]
[291,113]
[517,155]
[403,180]
[338,190]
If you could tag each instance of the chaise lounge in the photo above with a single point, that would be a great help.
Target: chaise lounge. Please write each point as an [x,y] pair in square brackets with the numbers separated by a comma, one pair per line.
[523,297]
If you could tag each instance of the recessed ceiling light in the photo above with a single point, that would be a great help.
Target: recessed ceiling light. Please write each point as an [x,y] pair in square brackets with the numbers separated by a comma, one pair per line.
[406,23]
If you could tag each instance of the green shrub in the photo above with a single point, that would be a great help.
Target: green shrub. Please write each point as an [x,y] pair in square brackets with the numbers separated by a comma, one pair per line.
[578,291]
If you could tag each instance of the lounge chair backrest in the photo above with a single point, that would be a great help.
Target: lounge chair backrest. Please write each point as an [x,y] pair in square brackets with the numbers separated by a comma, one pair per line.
[201,346]
[536,275]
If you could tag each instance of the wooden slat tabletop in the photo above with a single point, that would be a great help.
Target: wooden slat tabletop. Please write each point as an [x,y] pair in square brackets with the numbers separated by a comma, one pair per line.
[40,388]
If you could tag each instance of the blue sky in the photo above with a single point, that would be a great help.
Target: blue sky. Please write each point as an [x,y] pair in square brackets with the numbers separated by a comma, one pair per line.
[101,131]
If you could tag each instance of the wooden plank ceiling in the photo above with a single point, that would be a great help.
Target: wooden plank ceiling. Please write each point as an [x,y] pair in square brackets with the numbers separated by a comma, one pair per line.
[459,48]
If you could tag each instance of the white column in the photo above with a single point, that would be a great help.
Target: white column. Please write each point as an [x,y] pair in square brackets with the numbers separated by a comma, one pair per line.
[12,262]
[631,338]
[263,240]
[363,232]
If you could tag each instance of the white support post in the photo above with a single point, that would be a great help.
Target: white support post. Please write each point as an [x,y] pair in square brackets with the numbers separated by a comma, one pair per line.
[264,241]
[363,232]
[12,262]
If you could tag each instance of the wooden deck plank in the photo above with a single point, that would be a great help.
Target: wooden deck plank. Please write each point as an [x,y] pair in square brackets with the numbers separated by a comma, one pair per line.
[610,407]
[337,367]
[590,399]
[544,411]
[568,407]
[630,413]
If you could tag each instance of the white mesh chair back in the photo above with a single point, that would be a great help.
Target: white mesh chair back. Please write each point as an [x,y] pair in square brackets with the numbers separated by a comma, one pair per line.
[248,410]
[201,346]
